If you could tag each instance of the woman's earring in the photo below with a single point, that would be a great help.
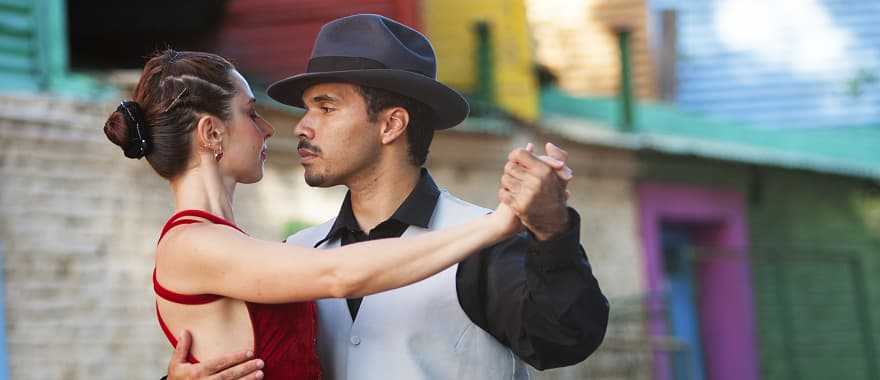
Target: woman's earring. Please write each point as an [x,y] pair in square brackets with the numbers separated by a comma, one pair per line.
[218,154]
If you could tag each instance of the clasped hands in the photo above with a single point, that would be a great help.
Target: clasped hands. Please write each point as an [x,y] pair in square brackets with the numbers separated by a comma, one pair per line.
[536,189]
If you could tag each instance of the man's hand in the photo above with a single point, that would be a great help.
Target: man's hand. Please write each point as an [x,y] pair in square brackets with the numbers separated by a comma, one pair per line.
[535,188]
[241,365]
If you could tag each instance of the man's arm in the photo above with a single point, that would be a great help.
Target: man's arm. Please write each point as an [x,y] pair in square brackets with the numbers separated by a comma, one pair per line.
[536,292]
[538,298]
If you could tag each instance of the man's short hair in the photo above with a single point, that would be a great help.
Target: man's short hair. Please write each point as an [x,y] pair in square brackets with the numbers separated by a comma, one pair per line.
[419,132]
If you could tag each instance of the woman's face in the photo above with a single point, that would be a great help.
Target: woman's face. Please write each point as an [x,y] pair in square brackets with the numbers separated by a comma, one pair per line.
[245,147]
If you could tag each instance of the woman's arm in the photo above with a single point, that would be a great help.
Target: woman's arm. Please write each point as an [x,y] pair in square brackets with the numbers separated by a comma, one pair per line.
[214,259]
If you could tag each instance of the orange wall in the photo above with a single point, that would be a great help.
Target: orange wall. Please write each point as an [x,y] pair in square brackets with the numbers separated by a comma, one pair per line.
[576,40]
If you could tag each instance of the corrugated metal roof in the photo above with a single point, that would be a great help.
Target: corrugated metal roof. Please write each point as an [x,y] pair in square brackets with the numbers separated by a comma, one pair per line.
[845,150]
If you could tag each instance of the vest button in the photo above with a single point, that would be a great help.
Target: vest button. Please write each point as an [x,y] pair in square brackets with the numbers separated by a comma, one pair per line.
[355,340]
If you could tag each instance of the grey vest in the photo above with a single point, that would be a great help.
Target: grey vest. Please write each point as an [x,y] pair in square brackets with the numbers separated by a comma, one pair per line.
[415,332]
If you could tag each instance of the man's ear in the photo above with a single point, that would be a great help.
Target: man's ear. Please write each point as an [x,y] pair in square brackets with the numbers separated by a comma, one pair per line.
[395,121]
[210,132]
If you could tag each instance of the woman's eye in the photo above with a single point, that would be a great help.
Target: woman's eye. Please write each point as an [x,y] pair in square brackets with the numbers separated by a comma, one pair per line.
[326,109]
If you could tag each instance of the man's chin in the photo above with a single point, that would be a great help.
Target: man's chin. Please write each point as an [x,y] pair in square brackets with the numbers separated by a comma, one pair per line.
[317,180]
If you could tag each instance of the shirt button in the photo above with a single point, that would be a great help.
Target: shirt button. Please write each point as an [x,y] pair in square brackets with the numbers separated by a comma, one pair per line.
[355,340]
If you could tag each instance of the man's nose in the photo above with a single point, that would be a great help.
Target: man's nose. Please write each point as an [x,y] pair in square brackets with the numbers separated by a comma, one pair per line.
[303,129]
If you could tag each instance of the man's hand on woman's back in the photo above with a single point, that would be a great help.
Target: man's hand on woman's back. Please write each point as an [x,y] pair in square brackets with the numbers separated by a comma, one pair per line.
[237,366]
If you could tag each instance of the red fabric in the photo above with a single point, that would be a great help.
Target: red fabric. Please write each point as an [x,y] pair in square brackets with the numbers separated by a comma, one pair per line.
[284,334]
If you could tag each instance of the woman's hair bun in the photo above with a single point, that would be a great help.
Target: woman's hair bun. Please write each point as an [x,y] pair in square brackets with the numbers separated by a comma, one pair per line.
[176,88]
[126,128]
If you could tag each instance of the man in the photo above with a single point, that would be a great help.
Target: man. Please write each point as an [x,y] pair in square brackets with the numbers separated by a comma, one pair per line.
[372,105]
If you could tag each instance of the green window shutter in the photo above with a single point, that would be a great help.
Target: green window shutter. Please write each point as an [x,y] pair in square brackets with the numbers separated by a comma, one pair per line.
[33,45]
[19,68]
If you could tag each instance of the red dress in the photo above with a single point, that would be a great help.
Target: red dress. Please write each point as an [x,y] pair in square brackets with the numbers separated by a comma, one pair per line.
[284,334]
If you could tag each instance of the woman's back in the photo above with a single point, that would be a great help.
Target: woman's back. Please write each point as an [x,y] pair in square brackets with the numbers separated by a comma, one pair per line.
[282,335]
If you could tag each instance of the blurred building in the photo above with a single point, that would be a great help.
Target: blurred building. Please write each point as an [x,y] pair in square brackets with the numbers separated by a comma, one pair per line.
[756,138]
[732,242]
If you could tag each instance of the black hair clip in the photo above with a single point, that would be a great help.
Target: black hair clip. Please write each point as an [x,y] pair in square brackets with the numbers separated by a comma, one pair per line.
[139,144]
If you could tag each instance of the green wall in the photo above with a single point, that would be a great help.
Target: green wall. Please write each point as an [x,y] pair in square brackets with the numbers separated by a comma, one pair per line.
[814,242]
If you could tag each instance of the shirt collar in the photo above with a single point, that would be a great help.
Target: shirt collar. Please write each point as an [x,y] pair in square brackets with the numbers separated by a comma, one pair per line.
[416,209]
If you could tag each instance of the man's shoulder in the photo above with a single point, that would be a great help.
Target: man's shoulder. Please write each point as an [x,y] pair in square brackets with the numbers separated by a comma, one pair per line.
[310,236]
[451,200]
[449,205]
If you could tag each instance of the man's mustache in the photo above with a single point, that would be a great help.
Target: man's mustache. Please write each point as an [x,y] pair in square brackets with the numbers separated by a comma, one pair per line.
[305,144]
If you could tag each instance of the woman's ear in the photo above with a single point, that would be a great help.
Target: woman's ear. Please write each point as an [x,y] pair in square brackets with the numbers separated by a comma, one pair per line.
[210,132]
[395,122]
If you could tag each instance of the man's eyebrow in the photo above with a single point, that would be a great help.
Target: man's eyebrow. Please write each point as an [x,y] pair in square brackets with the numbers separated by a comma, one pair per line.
[323,98]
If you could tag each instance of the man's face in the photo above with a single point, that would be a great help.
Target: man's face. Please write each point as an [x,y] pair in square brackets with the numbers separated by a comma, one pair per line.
[337,141]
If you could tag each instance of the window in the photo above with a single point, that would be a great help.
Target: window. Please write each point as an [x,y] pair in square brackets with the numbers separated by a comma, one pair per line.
[105,34]
[43,41]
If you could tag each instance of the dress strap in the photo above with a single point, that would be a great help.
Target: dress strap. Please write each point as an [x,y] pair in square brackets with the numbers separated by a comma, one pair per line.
[175,223]
[183,299]
[178,219]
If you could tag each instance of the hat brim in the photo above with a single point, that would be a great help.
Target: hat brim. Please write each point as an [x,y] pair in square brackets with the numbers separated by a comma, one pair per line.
[449,108]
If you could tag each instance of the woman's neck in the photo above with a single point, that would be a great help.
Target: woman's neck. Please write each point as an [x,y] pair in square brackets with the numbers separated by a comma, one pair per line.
[203,188]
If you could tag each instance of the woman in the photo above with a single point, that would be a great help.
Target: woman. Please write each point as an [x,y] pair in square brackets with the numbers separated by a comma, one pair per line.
[193,117]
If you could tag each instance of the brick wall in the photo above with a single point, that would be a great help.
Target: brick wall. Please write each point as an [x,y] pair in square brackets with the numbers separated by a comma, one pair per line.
[78,244]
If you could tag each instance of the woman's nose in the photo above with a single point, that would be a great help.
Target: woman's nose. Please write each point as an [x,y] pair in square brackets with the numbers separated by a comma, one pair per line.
[268,128]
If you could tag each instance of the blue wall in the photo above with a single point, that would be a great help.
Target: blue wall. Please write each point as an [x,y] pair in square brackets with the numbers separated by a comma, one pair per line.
[786,64]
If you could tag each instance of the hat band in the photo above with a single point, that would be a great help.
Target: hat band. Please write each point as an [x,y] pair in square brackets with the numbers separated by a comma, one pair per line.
[339,63]
[335,63]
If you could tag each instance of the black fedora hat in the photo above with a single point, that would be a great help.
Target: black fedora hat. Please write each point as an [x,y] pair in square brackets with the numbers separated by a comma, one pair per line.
[376,51]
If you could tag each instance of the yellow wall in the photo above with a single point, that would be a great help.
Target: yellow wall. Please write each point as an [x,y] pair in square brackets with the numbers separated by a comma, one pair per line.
[450,26]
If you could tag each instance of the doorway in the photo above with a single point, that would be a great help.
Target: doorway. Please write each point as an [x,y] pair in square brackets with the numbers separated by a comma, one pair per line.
[696,260]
